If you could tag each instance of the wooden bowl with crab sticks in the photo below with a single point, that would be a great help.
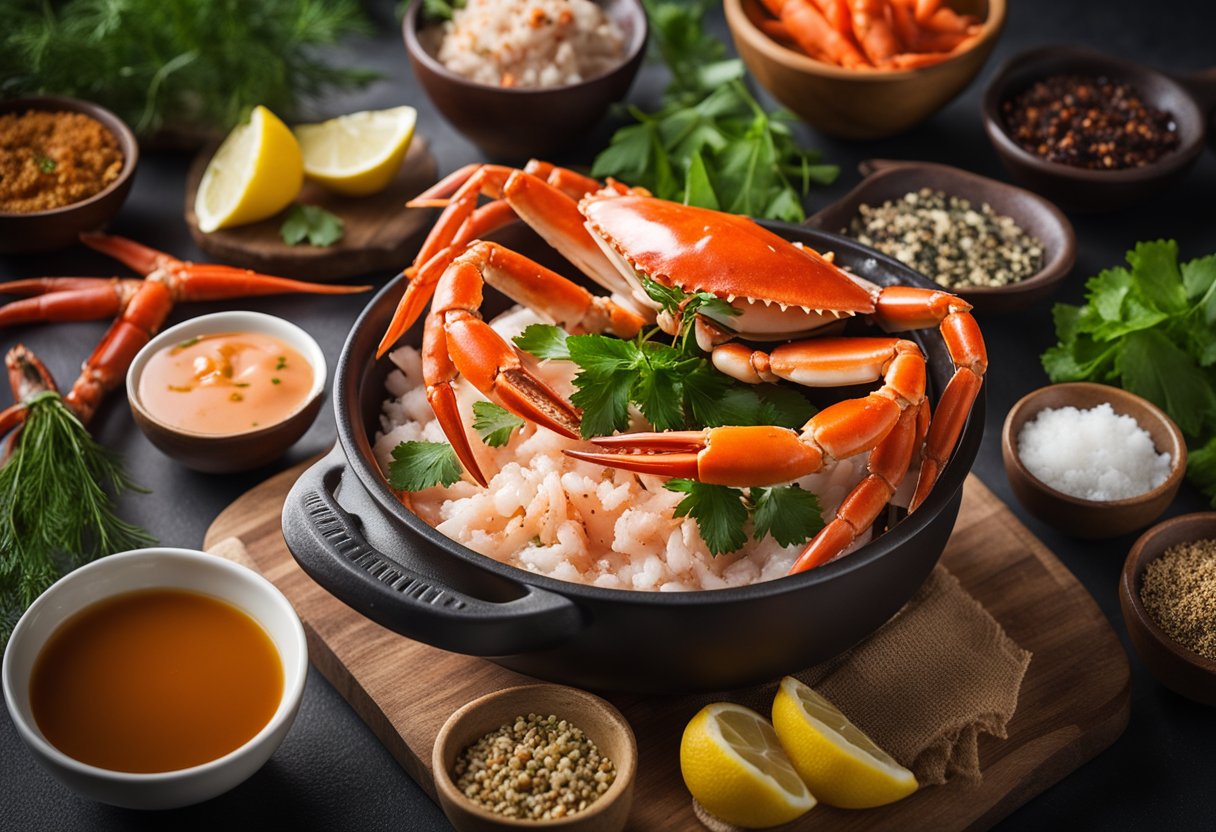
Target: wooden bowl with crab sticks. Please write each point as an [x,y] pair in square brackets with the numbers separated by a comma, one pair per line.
[348,528]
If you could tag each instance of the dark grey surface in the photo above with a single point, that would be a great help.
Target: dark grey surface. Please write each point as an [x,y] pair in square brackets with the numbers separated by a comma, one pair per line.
[331,773]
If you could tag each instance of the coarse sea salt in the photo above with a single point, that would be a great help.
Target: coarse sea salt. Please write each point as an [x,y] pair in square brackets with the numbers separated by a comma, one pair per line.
[1093,454]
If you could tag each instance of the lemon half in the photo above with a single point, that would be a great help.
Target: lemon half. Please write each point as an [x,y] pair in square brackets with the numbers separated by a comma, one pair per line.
[733,764]
[357,154]
[841,765]
[256,173]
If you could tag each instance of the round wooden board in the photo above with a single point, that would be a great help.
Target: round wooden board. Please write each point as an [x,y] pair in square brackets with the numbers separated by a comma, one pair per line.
[380,232]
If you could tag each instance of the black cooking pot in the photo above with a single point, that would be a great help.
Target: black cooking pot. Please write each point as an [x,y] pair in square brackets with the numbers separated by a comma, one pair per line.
[351,534]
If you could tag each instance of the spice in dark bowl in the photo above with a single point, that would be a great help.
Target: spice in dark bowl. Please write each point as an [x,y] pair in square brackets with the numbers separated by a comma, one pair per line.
[1091,122]
[949,240]
[52,159]
[1179,591]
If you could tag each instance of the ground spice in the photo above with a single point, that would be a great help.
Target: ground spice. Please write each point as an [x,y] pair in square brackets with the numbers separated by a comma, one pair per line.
[1179,591]
[52,159]
[536,768]
[948,240]
[1095,123]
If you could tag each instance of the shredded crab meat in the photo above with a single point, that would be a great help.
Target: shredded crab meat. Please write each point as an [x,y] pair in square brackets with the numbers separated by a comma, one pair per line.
[551,515]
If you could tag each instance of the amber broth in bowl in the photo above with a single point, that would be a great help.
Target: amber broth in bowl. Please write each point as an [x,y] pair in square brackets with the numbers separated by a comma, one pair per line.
[155,680]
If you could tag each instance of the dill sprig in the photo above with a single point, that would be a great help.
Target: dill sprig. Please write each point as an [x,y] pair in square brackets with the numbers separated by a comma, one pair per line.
[56,505]
[194,66]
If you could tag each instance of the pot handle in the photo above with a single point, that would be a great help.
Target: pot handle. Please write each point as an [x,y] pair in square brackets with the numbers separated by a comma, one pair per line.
[329,545]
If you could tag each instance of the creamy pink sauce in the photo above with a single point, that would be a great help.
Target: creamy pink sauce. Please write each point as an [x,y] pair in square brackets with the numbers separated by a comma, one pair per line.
[226,383]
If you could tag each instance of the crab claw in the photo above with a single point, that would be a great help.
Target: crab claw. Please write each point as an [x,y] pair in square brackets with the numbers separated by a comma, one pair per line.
[739,456]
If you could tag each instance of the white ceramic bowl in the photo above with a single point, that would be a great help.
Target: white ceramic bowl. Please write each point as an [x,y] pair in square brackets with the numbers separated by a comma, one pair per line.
[224,453]
[146,569]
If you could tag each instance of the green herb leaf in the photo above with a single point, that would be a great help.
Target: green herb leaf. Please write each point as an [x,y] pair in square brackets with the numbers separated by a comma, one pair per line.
[419,465]
[46,164]
[193,66]
[718,510]
[312,223]
[605,383]
[439,10]
[544,341]
[494,424]
[57,493]
[788,513]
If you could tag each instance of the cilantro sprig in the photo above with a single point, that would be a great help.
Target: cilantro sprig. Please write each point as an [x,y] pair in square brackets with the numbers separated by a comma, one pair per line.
[494,424]
[790,514]
[1150,328]
[419,465]
[312,223]
[711,144]
[674,387]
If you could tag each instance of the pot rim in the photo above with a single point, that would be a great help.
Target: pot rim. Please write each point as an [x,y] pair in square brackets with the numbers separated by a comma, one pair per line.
[357,450]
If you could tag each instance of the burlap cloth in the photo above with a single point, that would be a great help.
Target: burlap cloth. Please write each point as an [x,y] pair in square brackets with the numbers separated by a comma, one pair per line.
[926,684]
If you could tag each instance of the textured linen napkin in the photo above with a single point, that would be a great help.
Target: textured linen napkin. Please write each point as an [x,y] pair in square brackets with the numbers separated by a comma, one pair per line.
[926,684]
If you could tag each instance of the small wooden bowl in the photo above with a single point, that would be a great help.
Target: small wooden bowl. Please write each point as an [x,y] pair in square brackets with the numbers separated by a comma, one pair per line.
[1178,668]
[859,104]
[1096,190]
[60,227]
[1092,519]
[225,453]
[513,124]
[890,180]
[601,722]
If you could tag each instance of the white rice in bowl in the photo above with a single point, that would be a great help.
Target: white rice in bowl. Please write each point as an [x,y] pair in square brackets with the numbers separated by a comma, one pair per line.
[530,43]
[546,513]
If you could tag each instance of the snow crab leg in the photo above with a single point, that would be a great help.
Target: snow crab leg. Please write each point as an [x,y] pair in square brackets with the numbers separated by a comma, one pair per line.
[457,342]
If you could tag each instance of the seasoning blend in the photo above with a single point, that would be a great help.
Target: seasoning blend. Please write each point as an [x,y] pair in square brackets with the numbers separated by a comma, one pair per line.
[951,242]
[1179,592]
[52,159]
[1095,123]
[536,768]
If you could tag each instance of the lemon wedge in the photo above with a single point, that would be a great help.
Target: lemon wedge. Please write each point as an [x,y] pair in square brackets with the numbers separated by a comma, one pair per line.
[357,154]
[256,173]
[733,764]
[838,762]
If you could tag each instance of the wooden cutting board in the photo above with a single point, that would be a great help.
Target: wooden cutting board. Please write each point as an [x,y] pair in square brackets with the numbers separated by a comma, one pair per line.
[1074,700]
[379,232]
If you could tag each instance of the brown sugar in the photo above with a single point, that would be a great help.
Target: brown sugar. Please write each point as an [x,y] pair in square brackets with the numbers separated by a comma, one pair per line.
[52,159]
[1179,592]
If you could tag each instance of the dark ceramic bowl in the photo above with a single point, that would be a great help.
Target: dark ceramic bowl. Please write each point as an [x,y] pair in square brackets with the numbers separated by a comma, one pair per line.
[859,104]
[349,531]
[1178,668]
[1098,190]
[512,124]
[229,452]
[889,180]
[61,227]
[599,721]
[1092,519]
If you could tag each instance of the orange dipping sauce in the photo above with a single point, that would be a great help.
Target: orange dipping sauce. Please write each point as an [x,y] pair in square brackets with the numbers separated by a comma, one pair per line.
[155,680]
[224,384]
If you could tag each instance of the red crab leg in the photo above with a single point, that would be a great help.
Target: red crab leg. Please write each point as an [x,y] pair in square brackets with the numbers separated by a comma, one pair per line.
[548,211]
[903,307]
[745,456]
[457,342]
[888,465]
[27,376]
[67,299]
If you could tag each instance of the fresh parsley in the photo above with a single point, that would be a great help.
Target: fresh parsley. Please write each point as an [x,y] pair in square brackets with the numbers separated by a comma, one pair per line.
[790,514]
[673,388]
[312,223]
[711,144]
[494,424]
[434,11]
[1149,328]
[419,465]
[46,164]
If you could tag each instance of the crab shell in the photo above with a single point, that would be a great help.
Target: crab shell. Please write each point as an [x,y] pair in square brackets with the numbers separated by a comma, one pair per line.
[781,290]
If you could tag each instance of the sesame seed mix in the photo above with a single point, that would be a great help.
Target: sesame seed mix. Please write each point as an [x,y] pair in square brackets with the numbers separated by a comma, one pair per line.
[946,239]
[535,768]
